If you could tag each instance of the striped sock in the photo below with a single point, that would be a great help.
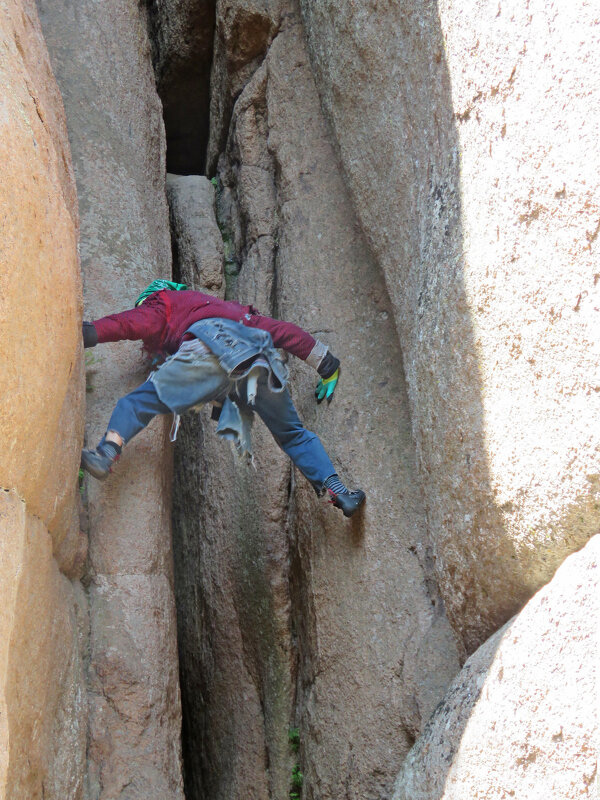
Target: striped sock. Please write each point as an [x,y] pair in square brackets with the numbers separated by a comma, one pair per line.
[334,484]
[109,449]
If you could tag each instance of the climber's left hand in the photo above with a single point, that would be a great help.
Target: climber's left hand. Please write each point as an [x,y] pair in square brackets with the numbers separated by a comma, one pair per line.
[329,370]
[326,387]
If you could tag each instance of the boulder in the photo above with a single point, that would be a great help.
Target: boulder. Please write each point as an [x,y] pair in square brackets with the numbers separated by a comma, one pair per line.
[41,402]
[520,719]
[460,131]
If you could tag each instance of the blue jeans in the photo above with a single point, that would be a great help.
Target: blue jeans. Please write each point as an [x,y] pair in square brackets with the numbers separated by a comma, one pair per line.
[276,409]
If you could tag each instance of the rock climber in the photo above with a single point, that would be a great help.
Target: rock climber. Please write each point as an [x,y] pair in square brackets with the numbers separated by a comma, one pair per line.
[224,353]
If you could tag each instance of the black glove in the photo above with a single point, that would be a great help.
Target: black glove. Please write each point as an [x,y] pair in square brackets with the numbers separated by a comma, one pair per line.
[328,365]
[90,334]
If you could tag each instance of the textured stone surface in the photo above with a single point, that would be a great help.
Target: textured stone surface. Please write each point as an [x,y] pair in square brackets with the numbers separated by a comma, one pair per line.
[465,166]
[43,712]
[361,600]
[244,30]
[230,549]
[101,57]
[520,718]
[319,624]
[197,242]
[133,659]
[40,288]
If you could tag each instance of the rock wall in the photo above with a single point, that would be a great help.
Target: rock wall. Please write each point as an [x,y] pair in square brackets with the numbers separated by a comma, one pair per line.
[42,614]
[520,718]
[438,229]
[101,57]
[231,566]
[284,606]
[195,235]
[473,171]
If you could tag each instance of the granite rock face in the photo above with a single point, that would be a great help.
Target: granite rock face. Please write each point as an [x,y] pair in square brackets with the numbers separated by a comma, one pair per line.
[40,283]
[243,33]
[196,238]
[43,704]
[43,713]
[233,615]
[520,719]
[406,183]
[461,131]
[101,57]
[317,623]
[231,566]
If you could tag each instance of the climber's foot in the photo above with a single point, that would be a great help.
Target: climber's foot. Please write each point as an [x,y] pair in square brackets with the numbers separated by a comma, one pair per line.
[349,502]
[98,462]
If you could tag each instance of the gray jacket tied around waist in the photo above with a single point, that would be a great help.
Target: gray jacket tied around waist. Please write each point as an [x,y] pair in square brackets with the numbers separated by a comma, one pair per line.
[236,346]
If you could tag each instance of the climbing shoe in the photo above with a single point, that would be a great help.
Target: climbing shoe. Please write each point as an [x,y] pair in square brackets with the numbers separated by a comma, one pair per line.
[99,461]
[343,498]
[349,502]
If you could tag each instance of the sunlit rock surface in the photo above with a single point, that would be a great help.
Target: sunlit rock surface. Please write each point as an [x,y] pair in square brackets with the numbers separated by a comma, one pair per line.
[43,713]
[520,718]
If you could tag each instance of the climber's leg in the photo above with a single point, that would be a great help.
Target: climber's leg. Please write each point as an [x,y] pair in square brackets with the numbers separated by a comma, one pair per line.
[131,415]
[279,414]
[136,410]
[304,447]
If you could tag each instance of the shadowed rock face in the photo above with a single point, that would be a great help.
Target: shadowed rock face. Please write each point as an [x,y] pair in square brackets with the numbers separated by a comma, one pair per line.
[243,33]
[290,616]
[456,130]
[182,33]
[233,615]
[232,588]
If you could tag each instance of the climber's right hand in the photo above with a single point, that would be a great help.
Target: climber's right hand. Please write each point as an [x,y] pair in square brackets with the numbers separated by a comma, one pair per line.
[90,334]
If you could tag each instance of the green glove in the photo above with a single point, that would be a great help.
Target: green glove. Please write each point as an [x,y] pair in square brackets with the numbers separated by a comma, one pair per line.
[326,387]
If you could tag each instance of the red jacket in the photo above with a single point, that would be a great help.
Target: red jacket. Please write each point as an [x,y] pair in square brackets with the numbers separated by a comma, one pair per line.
[164,317]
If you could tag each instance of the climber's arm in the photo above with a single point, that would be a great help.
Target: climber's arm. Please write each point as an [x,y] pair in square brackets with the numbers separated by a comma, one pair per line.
[144,322]
[285,335]
[292,338]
